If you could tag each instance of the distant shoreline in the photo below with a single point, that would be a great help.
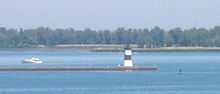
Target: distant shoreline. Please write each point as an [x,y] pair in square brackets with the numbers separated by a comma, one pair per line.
[165,49]
[114,48]
[120,47]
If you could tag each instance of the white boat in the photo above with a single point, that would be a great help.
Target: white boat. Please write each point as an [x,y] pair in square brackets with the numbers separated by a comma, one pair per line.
[32,60]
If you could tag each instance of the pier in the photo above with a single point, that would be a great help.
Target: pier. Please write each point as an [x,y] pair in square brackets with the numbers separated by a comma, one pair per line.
[76,68]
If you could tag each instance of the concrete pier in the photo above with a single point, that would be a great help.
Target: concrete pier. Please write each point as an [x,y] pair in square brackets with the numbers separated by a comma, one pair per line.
[92,68]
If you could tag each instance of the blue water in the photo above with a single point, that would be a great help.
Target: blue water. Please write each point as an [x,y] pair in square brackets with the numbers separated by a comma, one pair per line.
[201,73]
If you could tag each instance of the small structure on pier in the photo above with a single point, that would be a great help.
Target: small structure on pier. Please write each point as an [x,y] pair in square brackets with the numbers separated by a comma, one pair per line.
[127,57]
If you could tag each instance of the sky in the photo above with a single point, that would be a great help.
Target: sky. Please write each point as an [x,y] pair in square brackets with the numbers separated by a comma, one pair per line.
[109,14]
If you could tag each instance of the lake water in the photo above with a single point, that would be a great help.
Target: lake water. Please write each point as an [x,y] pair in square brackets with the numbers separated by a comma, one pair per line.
[200,73]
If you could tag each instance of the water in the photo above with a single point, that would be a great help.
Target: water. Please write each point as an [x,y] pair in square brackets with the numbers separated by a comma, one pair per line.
[200,73]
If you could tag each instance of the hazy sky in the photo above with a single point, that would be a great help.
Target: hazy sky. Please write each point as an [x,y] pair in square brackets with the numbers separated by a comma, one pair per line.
[109,14]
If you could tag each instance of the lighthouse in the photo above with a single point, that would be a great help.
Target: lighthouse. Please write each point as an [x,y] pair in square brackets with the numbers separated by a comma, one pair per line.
[127,57]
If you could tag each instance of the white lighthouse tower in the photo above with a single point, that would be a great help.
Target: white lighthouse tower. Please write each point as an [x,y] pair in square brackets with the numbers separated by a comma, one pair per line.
[127,57]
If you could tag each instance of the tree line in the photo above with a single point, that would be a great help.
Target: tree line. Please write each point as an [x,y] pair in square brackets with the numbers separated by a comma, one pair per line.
[150,38]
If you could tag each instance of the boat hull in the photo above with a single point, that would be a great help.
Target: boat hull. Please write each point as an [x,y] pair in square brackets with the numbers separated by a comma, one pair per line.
[34,62]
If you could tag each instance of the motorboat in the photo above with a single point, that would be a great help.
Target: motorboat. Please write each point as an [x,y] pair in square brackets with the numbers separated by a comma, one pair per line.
[32,60]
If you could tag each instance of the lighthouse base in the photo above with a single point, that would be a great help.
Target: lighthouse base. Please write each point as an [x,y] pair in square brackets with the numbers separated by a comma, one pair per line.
[128,63]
